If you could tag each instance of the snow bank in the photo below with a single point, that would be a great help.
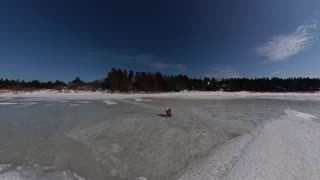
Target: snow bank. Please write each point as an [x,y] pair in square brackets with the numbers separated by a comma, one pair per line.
[89,95]
[9,172]
[285,148]
[3,166]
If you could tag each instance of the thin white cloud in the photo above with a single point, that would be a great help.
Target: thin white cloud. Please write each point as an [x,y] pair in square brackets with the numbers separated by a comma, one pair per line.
[283,46]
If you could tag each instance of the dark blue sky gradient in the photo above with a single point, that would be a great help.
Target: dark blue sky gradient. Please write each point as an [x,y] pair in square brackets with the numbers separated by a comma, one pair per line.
[61,39]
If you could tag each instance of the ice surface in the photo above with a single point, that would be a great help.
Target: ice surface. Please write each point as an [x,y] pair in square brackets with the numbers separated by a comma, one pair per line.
[284,148]
[9,172]
[7,103]
[141,99]
[4,166]
[133,139]
[84,102]
[141,178]
[108,102]
[26,105]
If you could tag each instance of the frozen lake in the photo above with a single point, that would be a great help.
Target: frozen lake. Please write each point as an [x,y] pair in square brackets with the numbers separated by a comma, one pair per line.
[124,138]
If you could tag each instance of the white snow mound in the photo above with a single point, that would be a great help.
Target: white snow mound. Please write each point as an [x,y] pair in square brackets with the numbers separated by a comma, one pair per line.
[285,148]
[9,172]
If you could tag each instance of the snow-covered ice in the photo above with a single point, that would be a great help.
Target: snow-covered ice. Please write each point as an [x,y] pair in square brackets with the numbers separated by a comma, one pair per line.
[285,148]
[7,103]
[26,105]
[84,102]
[9,172]
[109,102]
[141,178]
[212,135]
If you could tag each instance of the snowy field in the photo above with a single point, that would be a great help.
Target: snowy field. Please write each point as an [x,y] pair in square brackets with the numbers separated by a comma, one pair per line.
[212,135]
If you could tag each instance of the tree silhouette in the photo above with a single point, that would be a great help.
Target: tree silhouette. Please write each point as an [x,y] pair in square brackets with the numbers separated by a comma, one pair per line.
[123,80]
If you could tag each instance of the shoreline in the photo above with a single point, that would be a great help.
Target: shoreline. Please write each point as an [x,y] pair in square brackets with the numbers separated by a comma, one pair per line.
[182,94]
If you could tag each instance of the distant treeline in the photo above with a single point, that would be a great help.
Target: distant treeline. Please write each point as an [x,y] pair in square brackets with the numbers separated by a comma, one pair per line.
[124,81]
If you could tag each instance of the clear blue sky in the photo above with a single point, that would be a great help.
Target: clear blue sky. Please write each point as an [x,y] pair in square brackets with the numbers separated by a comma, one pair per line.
[61,39]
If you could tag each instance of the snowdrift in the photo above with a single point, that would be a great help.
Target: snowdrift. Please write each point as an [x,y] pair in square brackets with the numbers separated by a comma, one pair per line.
[284,148]
[11,172]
